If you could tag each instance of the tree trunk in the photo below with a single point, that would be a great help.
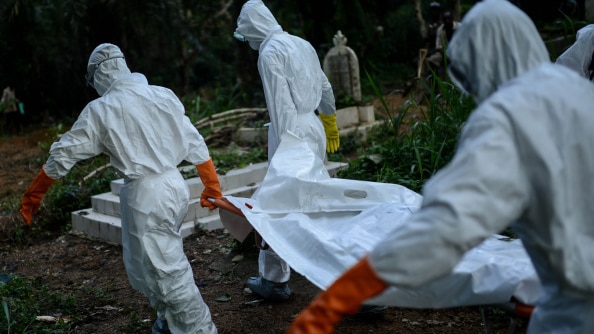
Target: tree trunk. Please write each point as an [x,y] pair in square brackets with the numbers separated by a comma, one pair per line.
[456,10]
[589,5]
[419,14]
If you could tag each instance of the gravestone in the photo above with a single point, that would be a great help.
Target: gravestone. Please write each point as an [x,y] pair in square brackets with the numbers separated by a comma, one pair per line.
[342,69]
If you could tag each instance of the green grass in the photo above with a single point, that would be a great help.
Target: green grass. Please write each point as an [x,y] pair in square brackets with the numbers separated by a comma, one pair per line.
[23,300]
[416,141]
[234,157]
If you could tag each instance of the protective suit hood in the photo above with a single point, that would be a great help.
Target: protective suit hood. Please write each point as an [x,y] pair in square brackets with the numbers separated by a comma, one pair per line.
[256,23]
[106,65]
[579,56]
[482,58]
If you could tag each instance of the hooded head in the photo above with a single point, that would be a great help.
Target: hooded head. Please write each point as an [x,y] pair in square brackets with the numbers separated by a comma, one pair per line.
[255,23]
[494,43]
[580,56]
[106,65]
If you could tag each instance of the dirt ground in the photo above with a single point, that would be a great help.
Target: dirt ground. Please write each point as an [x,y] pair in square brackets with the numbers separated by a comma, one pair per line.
[93,272]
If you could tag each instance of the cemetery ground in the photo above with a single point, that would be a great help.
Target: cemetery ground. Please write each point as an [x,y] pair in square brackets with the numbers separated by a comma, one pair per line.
[91,273]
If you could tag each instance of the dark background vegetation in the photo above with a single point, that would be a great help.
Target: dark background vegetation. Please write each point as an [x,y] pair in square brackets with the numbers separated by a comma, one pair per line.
[187,45]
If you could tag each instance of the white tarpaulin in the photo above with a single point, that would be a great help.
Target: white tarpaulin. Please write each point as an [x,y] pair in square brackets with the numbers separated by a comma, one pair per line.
[322,226]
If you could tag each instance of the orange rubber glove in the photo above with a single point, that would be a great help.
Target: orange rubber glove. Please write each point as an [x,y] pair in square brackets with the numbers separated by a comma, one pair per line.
[212,187]
[343,297]
[332,134]
[32,198]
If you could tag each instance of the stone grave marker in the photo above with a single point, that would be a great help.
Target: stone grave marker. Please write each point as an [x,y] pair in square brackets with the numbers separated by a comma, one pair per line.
[342,68]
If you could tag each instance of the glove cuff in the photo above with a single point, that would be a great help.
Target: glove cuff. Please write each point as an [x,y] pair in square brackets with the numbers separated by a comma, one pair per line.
[358,284]
[328,119]
[343,297]
[208,176]
[40,185]
[32,198]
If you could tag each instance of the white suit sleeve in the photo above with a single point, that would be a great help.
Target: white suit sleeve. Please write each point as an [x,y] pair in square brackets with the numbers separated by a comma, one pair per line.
[281,108]
[81,142]
[197,150]
[480,192]
[327,104]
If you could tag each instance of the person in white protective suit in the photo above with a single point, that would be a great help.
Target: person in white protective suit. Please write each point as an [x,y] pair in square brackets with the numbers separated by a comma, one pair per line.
[294,87]
[524,160]
[144,130]
[580,54]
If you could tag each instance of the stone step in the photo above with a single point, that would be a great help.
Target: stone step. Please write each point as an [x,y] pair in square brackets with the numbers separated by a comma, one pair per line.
[109,204]
[232,179]
[102,220]
[362,130]
[109,228]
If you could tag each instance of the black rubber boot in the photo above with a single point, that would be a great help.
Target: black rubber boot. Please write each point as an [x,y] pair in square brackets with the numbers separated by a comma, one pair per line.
[160,327]
[276,292]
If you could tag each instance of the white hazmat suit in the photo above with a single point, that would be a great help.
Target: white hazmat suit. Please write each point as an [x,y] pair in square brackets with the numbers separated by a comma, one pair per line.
[579,55]
[524,159]
[144,130]
[294,87]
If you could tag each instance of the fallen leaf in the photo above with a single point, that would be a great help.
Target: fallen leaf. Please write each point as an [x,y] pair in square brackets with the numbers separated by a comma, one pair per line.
[49,318]
[108,308]
[224,298]
[254,303]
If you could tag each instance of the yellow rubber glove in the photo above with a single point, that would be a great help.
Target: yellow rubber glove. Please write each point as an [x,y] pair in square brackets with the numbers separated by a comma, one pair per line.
[32,198]
[212,186]
[332,134]
[344,297]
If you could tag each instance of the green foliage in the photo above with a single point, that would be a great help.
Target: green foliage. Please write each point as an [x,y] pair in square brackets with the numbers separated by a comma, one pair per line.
[187,45]
[344,101]
[416,142]
[23,300]
[184,45]
[387,77]
[9,320]
[560,34]
[73,192]
[213,101]
[350,144]
[233,157]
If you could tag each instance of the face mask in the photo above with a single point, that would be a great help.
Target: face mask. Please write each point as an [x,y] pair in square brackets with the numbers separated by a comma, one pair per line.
[459,80]
[99,87]
[254,45]
[241,38]
[90,76]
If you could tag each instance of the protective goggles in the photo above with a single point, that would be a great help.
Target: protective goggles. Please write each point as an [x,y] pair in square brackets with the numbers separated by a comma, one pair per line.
[90,76]
[239,36]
